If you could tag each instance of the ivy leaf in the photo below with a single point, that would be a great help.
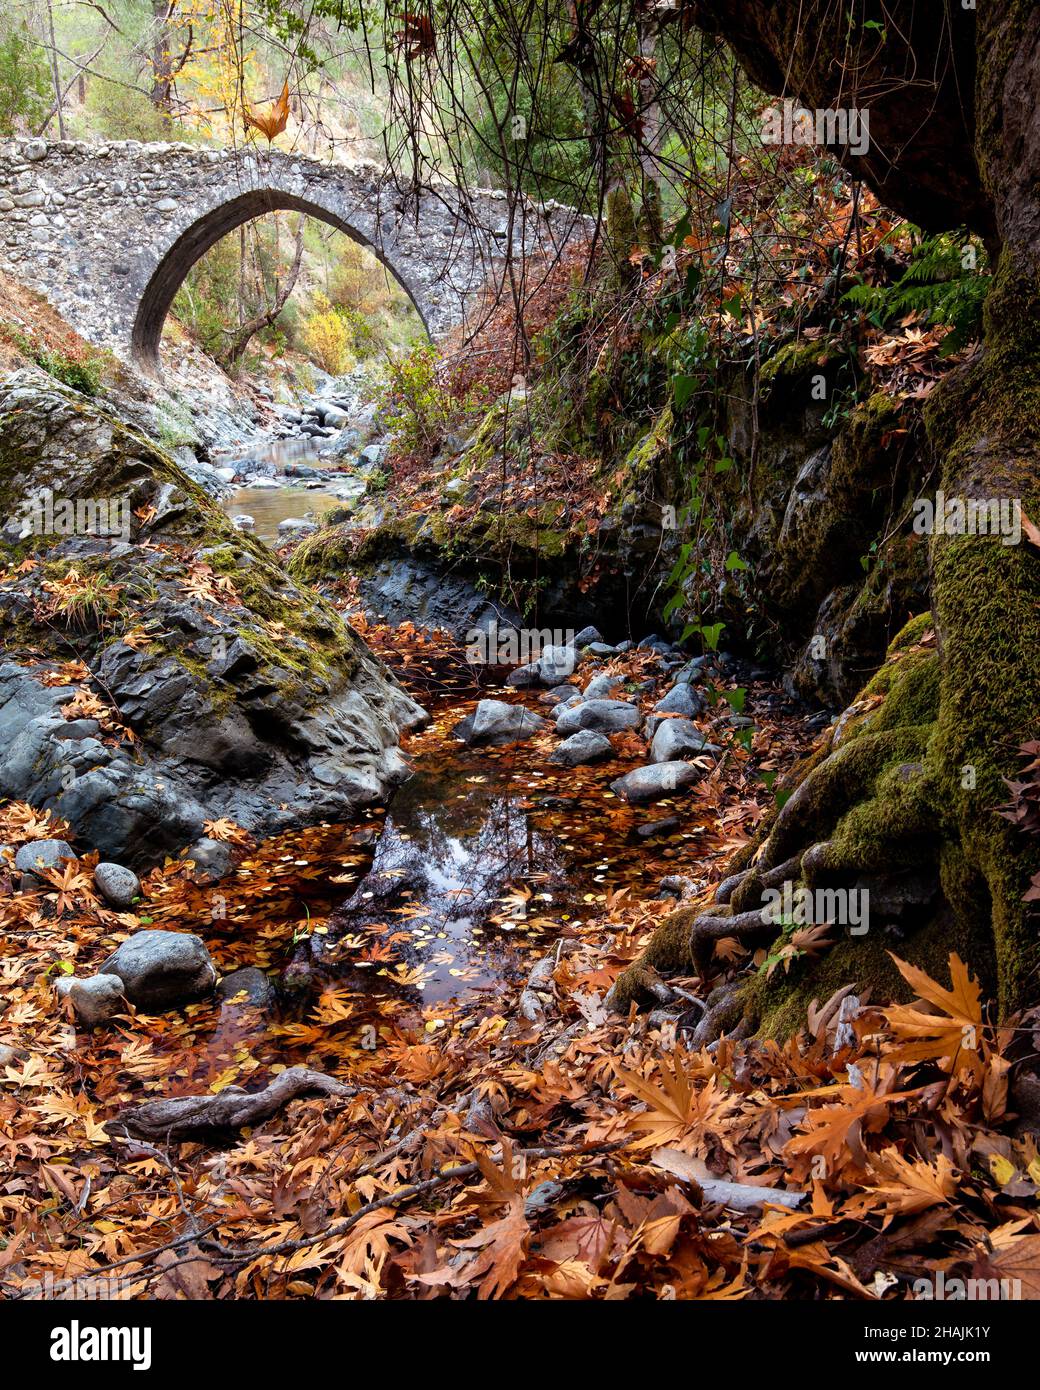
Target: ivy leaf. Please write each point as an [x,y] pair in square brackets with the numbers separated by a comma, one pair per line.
[682,389]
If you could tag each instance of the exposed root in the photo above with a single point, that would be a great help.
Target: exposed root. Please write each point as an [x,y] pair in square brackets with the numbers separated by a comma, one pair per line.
[187,1118]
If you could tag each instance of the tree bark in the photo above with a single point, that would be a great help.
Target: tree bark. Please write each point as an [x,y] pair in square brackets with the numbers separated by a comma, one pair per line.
[910,790]
[242,338]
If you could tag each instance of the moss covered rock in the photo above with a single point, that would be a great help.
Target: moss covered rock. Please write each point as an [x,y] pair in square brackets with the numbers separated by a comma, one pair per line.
[242,692]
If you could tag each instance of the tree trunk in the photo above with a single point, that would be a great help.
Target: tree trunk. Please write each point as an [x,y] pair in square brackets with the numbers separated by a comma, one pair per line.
[162,58]
[247,331]
[903,799]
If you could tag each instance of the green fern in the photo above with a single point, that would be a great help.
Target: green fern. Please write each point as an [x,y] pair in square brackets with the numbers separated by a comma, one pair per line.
[935,285]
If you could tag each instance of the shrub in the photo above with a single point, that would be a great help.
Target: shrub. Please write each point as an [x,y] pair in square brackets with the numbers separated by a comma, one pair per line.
[417,407]
[24,81]
[329,335]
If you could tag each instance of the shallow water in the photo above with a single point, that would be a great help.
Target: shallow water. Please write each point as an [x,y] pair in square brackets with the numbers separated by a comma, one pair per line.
[269,506]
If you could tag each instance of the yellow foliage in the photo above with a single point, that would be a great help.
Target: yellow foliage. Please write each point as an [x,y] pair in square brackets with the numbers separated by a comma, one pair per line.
[330,337]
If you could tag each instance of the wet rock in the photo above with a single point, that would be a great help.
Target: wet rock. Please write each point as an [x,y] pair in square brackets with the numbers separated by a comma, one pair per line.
[587,636]
[296,526]
[602,649]
[212,859]
[494,722]
[604,716]
[657,827]
[681,699]
[586,746]
[309,734]
[95,999]
[161,969]
[676,738]
[652,783]
[118,885]
[250,980]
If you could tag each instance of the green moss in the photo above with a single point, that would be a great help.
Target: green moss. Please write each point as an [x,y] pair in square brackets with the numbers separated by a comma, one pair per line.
[778,1006]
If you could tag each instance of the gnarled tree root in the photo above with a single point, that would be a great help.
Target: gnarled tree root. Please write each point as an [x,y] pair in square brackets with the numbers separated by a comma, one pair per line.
[187,1118]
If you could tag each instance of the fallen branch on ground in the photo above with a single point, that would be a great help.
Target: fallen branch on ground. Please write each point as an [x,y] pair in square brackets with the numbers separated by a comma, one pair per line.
[186,1118]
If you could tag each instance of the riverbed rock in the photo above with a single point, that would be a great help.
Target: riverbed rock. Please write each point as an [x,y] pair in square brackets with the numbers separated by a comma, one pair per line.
[296,526]
[587,636]
[119,886]
[251,981]
[43,854]
[646,784]
[161,969]
[212,859]
[676,739]
[305,732]
[559,695]
[586,746]
[95,999]
[604,716]
[599,687]
[496,723]
[681,699]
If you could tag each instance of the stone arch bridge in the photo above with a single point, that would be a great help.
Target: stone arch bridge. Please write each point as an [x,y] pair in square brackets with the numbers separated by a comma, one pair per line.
[108,231]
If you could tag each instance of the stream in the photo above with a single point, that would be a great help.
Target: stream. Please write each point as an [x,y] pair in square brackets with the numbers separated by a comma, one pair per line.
[483,860]
[272,495]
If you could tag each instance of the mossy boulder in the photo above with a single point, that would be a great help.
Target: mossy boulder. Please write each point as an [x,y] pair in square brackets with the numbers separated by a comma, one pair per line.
[242,692]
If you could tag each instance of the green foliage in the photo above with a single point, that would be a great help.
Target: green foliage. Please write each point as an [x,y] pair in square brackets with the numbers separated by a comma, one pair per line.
[119,113]
[24,81]
[417,407]
[83,372]
[945,283]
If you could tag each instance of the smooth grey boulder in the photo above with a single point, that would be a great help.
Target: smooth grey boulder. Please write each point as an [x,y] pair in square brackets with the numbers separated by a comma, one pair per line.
[599,687]
[212,860]
[297,526]
[674,739]
[118,885]
[652,783]
[161,969]
[569,703]
[586,746]
[95,999]
[556,663]
[250,981]
[43,854]
[495,722]
[681,699]
[605,716]
[525,676]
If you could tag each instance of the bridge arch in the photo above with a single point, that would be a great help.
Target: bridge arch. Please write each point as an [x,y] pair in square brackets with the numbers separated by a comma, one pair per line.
[108,231]
[212,227]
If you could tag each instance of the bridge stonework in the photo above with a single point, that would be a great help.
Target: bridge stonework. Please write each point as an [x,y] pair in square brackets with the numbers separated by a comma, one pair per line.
[108,231]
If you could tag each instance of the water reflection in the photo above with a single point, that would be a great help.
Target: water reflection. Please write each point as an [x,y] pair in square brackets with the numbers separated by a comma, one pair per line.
[451,844]
[289,461]
[270,506]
